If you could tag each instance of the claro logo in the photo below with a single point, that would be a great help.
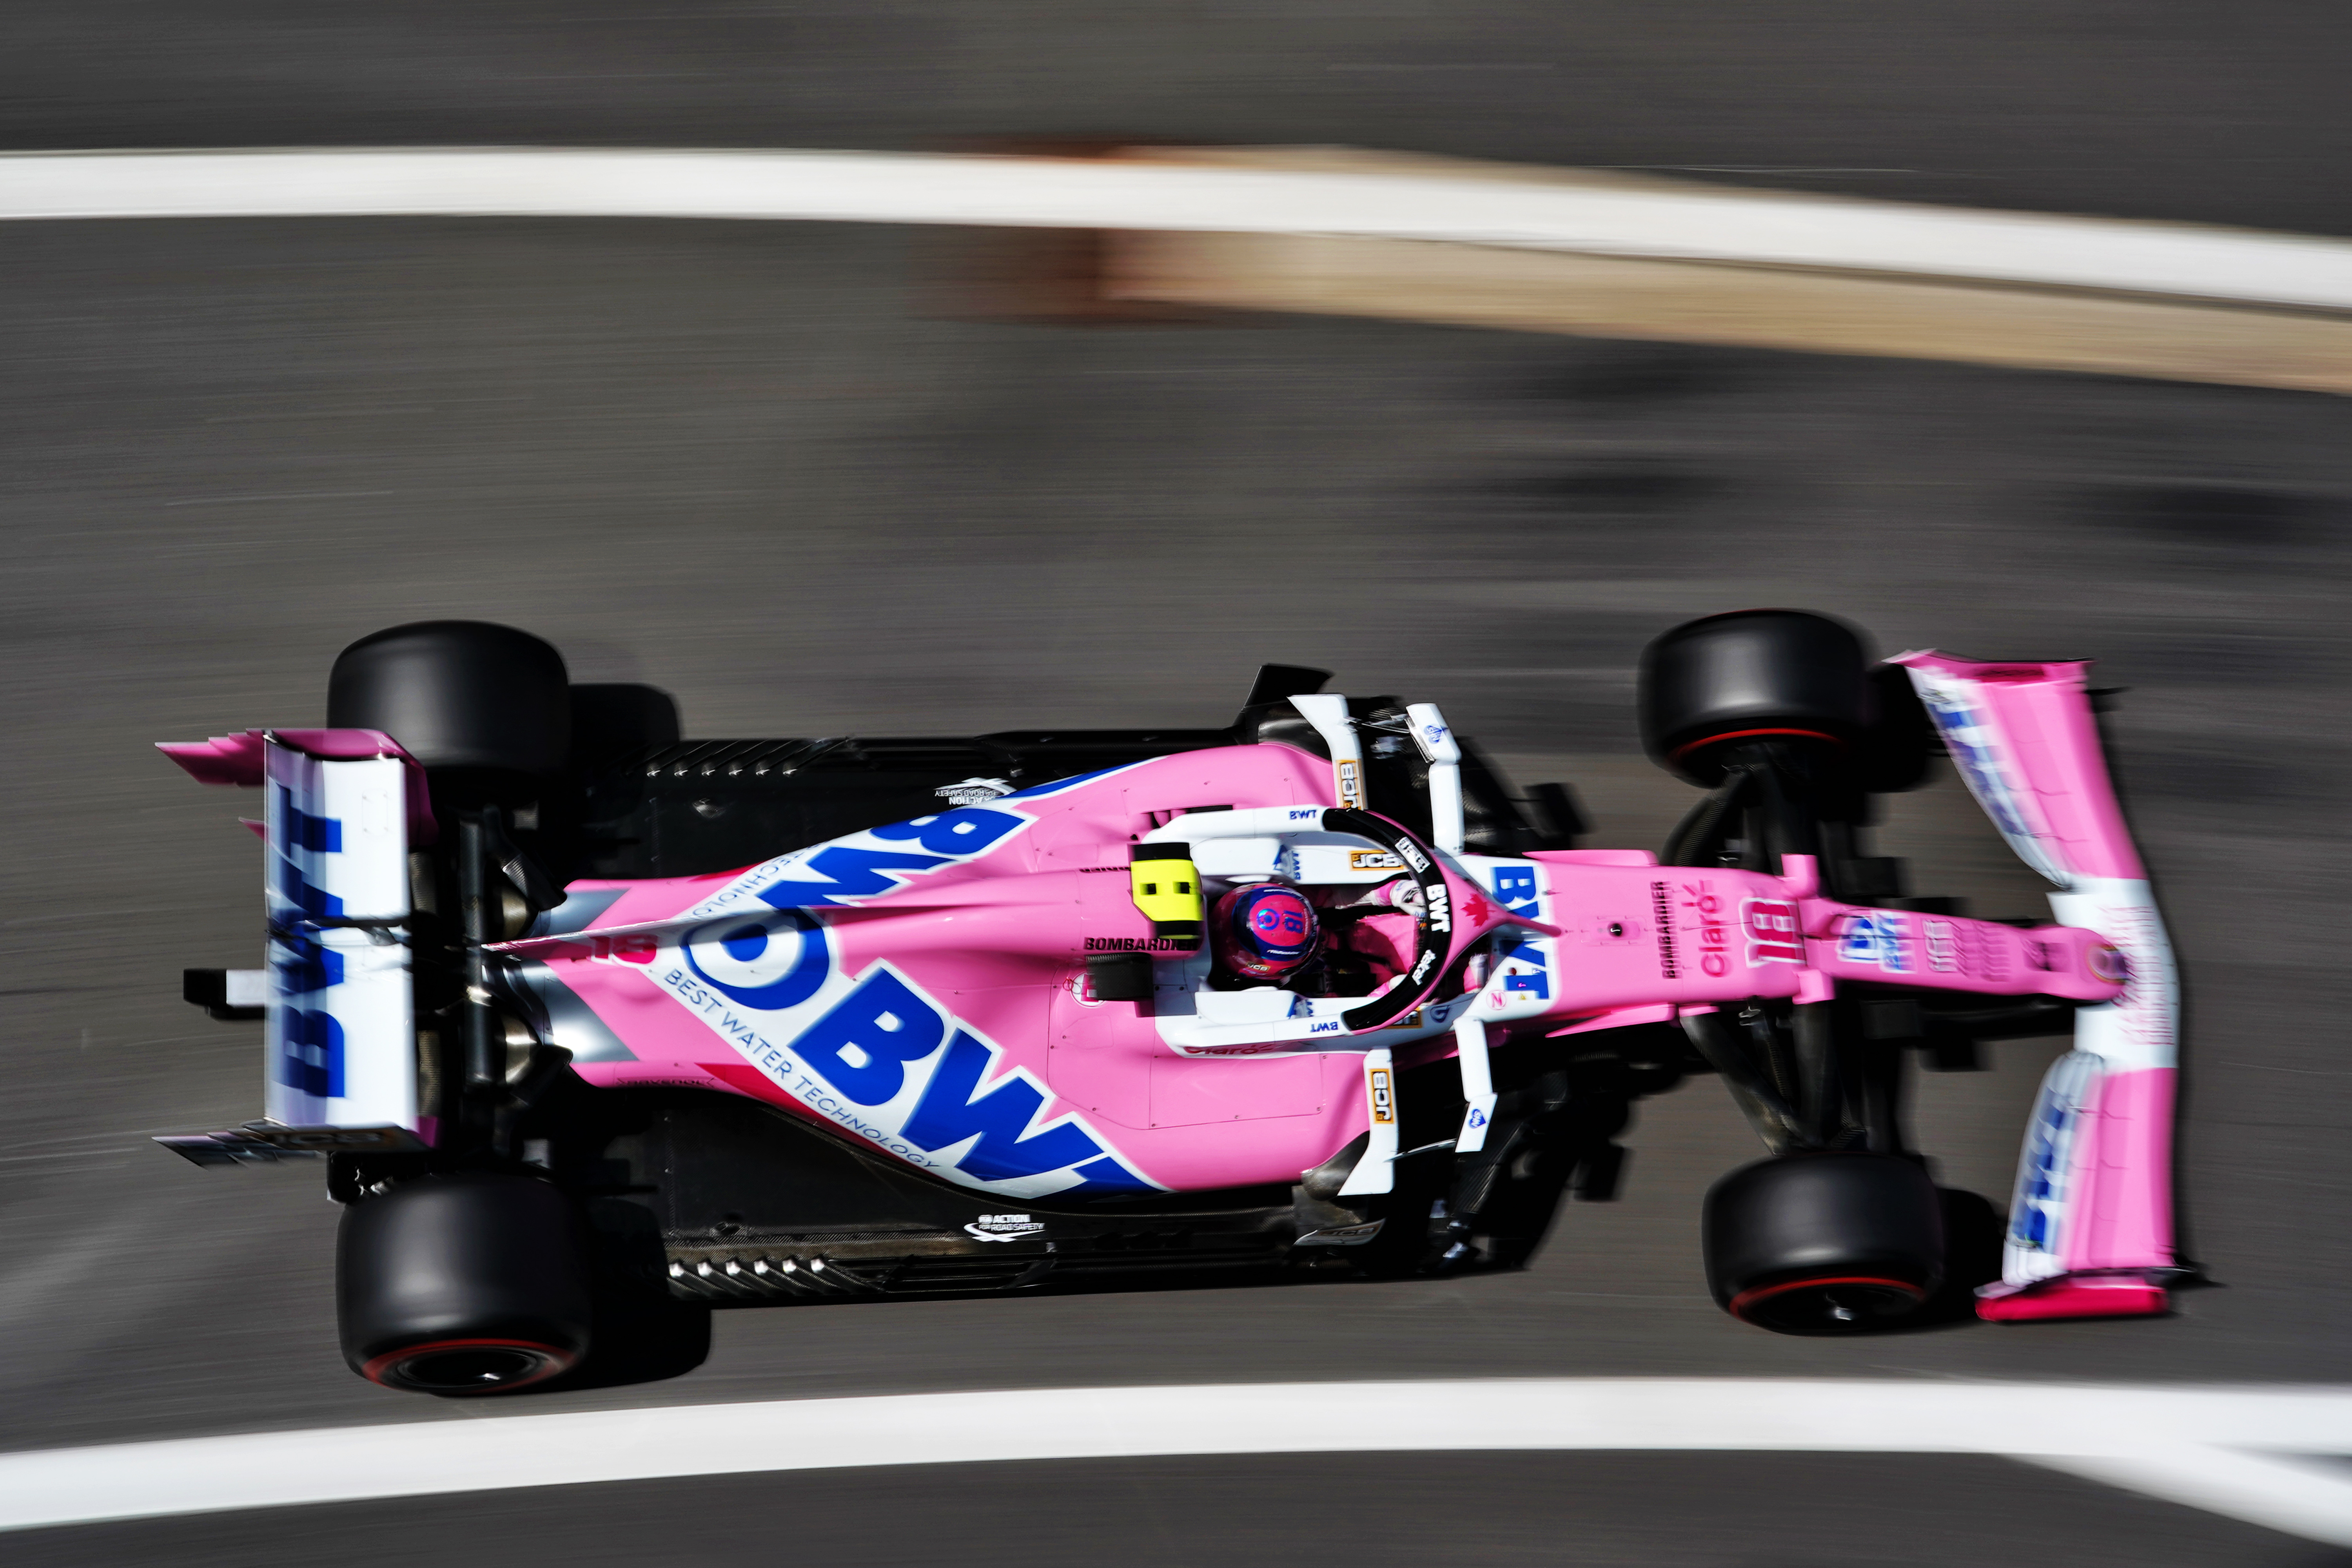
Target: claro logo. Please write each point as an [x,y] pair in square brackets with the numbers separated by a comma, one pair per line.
[1691,929]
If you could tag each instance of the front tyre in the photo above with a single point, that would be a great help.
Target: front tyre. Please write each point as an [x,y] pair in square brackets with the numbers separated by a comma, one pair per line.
[1783,676]
[465,1284]
[1824,1242]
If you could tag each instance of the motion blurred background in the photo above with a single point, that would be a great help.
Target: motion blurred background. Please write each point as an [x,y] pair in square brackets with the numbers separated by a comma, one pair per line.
[772,470]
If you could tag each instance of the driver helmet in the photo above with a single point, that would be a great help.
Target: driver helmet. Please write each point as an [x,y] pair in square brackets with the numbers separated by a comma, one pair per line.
[1263,931]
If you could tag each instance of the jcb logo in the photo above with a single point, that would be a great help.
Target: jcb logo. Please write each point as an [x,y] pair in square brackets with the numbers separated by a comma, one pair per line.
[1383,1096]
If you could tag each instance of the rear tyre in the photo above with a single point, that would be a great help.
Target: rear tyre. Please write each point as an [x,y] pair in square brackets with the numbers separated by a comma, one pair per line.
[1824,1243]
[466,1284]
[458,695]
[610,721]
[643,1334]
[1752,676]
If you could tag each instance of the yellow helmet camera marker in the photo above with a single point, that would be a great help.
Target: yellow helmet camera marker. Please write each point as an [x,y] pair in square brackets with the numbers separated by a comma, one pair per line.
[1167,891]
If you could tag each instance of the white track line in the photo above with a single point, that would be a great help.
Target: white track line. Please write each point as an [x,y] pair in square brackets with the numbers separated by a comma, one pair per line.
[1769,229]
[2230,1450]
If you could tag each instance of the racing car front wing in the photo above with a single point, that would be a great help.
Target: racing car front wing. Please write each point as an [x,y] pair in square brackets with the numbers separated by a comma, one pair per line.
[2090,1226]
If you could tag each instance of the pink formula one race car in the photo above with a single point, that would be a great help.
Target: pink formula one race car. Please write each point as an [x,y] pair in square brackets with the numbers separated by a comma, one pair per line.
[597,1030]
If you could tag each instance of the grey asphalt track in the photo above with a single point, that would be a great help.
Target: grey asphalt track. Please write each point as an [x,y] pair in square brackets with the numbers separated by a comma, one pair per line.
[746,464]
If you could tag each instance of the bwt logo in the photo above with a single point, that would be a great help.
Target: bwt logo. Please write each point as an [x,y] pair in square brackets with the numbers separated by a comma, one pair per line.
[870,864]
[1515,889]
[865,1047]
[1978,760]
[884,1061]
[1881,937]
[298,830]
[772,964]
[301,966]
[2041,1188]
[311,1053]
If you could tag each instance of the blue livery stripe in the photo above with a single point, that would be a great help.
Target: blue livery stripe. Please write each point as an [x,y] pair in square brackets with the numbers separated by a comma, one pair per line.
[948,1114]
[311,1053]
[300,830]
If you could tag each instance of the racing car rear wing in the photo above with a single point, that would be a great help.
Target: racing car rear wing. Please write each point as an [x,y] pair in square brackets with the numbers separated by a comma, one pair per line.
[340,809]
[2090,1229]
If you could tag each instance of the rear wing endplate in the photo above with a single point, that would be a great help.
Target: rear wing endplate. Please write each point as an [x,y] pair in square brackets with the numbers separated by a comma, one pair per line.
[341,808]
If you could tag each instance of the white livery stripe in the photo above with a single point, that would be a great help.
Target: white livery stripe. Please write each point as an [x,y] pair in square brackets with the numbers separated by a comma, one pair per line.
[2230,1450]
[1768,229]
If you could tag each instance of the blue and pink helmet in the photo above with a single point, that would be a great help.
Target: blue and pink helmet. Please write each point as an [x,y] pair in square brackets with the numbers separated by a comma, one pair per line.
[1262,932]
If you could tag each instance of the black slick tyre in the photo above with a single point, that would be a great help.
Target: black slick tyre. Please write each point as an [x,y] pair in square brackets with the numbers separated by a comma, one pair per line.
[1893,755]
[1824,1243]
[1782,676]
[610,721]
[464,1284]
[466,696]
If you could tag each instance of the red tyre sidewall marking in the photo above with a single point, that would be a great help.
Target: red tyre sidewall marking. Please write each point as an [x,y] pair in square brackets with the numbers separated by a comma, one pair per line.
[558,1360]
[1679,753]
[1747,1299]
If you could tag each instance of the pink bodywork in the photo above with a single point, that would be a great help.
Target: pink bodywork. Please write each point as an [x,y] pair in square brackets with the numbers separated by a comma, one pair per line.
[923,986]
[236,760]
[2024,736]
[997,942]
